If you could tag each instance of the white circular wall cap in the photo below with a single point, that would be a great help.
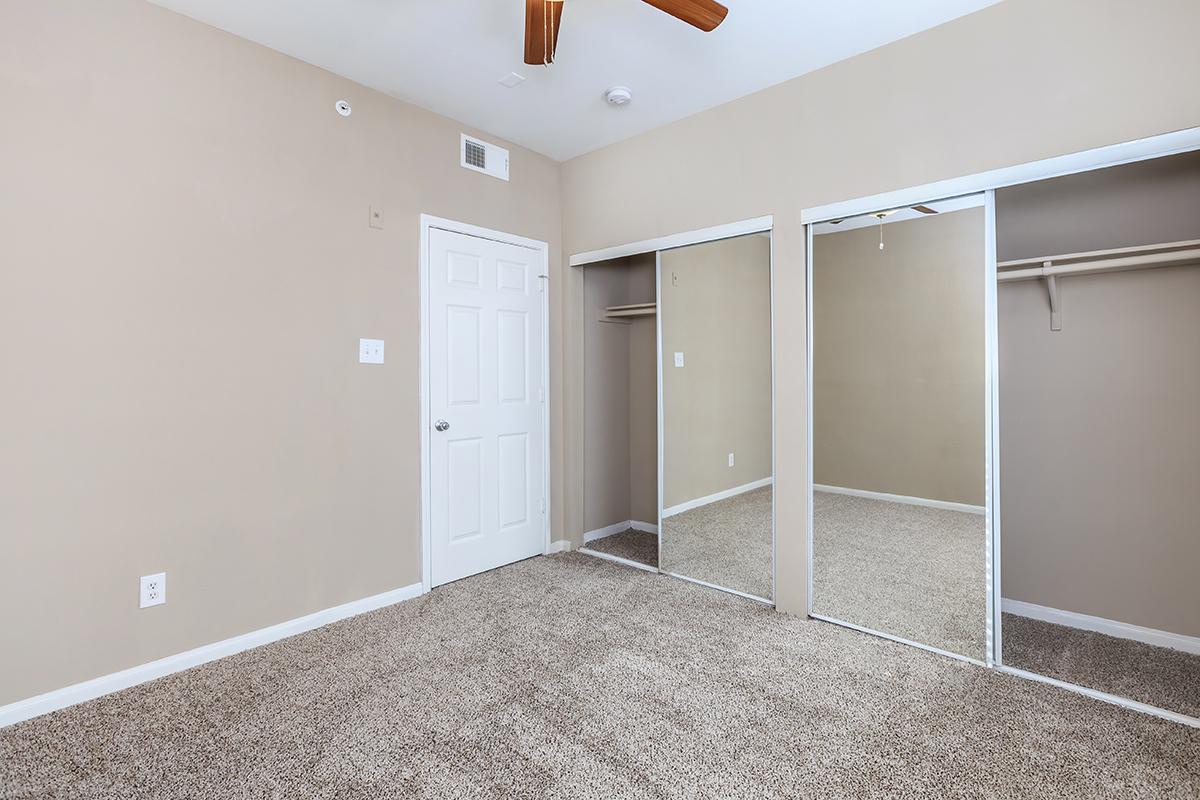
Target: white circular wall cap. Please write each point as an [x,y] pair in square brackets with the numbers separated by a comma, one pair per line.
[342,107]
[618,96]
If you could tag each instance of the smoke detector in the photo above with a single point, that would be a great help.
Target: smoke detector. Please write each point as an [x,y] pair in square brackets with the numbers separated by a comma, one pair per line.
[618,96]
[342,107]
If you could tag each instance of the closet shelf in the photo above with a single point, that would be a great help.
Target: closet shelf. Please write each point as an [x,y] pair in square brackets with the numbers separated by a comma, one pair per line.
[633,310]
[1050,268]
[1122,258]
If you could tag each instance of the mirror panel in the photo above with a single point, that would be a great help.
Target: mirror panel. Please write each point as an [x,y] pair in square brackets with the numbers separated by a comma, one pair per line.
[715,317]
[898,425]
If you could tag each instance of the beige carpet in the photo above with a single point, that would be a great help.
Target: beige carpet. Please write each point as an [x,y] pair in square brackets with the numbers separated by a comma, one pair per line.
[914,572]
[1159,676]
[571,677]
[634,545]
[727,543]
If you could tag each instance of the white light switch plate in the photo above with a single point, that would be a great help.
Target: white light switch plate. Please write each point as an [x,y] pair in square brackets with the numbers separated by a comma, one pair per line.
[679,359]
[152,590]
[375,218]
[731,459]
[370,351]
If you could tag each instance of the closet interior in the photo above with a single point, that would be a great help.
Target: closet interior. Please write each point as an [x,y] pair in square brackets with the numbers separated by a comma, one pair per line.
[621,409]
[1099,361]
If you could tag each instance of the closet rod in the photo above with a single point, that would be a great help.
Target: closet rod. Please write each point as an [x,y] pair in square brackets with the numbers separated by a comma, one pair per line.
[1091,263]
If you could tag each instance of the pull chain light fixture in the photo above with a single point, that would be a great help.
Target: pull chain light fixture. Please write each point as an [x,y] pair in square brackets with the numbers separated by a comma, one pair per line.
[880,217]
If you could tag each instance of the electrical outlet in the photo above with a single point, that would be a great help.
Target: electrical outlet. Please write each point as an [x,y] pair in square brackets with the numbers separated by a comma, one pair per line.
[153,590]
[731,459]
[679,359]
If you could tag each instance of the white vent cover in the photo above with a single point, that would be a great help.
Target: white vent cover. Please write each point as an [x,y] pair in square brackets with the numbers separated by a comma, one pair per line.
[483,157]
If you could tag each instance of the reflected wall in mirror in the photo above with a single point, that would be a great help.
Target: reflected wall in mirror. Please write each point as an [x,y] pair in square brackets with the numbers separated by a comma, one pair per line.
[620,496]
[1099,431]
[717,516]
[898,425]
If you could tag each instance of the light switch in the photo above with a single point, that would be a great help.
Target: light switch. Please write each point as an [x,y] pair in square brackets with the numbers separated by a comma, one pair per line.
[679,359]
[370,351]
[375,220]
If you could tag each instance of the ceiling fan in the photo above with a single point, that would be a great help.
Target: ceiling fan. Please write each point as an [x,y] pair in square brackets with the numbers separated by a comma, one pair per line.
[881,214]
[542,18]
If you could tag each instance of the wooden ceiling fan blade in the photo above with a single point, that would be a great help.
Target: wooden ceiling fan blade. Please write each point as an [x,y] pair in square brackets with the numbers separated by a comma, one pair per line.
[703,14]
[924,209]
[542,18]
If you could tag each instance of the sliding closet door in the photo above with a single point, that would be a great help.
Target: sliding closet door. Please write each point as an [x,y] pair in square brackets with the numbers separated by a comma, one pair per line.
[716,380]
[899,424]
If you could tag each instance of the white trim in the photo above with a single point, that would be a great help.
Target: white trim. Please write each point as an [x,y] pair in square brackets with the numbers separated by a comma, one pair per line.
[619,527]
[1109,627]
[1098,158]
[659,408]
[1095,694]
[808,409]
[899,498]
[900,215]
[558,546]
[106,684]
[626,561]
[740,228]
[720,588]
[991,432]
[899,639]
[709,499]
[429,222]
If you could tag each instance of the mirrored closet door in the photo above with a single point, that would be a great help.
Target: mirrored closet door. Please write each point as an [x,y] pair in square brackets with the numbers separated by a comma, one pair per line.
[716,382]
[899,430]
[1099,342]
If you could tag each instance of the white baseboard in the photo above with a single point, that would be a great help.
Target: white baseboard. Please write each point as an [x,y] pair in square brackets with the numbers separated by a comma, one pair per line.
[558,546]
[106,684]
[619,527]
[713,498]
[1121,630]
[900,498]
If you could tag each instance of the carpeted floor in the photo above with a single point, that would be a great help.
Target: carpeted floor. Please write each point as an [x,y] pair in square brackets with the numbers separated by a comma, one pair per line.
[727,543]
[1159,676]
[571,677]
[634,545]
[914,572]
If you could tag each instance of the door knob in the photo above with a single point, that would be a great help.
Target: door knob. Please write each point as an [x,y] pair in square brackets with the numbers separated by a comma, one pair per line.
[441,425]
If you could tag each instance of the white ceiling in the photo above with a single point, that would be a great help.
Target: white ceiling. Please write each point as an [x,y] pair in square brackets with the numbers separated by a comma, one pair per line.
[448,55]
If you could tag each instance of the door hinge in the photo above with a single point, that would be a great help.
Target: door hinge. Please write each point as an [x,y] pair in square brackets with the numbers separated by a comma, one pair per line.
[541,394]
[542,283]
[543,505]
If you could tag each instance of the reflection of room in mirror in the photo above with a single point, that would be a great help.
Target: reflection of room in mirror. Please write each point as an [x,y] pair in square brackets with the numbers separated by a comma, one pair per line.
[899,531]
[1099,433]
[715,318]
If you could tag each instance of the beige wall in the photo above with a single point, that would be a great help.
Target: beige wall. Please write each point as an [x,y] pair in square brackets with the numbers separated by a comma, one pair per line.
[715,308]
[621,400]
[185,270]
[1100,435]
[898,358]
[1018,81]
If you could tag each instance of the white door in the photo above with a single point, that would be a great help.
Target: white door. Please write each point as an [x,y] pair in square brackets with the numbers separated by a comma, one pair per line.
[486,402]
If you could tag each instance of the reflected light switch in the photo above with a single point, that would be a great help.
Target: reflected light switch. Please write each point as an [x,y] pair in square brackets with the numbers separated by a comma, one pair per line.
[679,359]
[370,351]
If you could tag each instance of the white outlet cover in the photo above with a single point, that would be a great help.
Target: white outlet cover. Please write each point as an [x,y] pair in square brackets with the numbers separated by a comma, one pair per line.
[153,590]
[679,359]
[731,459]
[370,351]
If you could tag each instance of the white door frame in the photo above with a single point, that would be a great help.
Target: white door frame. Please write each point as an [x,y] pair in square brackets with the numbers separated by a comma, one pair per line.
[428,223]
[1161,146]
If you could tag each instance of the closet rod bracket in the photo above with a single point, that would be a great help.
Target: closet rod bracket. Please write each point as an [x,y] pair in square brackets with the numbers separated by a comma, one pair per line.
[1052,288]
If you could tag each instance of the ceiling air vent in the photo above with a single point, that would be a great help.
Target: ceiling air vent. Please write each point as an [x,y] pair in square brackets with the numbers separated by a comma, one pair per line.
[483,157]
